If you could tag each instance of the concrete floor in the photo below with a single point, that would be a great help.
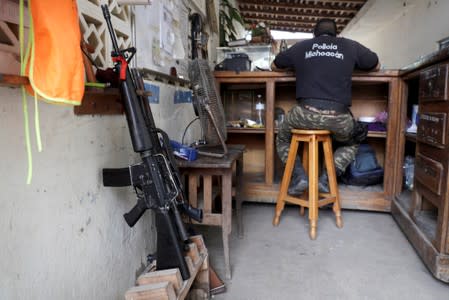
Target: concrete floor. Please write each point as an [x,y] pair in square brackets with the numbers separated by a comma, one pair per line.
[369,258]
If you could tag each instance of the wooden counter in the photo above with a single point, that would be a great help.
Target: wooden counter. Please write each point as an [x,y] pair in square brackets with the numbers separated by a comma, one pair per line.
[372,93]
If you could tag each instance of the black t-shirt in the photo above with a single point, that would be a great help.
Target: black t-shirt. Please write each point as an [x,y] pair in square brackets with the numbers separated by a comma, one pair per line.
[324,66]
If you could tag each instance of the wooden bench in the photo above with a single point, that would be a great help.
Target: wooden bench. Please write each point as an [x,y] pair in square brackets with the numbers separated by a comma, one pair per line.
[168,284]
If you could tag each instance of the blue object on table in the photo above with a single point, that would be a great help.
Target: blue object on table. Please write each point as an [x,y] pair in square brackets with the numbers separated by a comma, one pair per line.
[183,151]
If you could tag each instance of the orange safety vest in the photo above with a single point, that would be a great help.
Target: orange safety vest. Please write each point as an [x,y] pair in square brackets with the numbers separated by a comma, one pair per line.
[55,64]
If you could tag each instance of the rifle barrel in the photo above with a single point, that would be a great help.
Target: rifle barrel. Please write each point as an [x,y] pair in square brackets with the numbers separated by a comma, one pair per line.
[107,17]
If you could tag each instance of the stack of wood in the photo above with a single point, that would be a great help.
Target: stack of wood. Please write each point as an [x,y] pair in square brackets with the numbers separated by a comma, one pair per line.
[168,284]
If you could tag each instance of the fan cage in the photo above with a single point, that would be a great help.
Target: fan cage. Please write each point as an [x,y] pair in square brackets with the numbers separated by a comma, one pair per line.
[208,102]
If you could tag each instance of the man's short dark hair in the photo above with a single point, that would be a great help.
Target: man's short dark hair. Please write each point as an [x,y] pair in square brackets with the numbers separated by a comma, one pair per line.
[325,26]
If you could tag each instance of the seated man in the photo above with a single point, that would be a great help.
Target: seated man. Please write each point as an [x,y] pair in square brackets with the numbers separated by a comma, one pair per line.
[323,67]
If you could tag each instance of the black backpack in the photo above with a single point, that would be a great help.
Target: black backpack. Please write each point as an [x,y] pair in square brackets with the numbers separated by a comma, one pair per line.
[364,170]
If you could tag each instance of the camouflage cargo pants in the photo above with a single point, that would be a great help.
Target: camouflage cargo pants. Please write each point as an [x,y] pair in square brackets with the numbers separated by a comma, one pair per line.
[341,126]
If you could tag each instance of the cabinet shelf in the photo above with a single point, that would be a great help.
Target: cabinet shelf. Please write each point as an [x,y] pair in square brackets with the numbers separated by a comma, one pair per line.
[12,80]
[369,198]
[95,100]
[246,130]
[425,220]
[377,134]
[100,101]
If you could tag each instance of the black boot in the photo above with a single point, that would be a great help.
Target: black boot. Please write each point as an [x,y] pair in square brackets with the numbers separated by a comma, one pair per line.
[323,181]
[299,181]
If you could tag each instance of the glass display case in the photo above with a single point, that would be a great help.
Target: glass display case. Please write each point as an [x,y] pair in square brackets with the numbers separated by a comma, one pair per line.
[261,56]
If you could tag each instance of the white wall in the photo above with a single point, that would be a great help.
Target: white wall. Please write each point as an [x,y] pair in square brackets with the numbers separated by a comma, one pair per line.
[64,236]
[400,31]
[173,118]
[151,30]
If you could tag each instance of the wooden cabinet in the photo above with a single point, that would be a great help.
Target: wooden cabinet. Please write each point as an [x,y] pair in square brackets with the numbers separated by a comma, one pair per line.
[372,93]
[423,213]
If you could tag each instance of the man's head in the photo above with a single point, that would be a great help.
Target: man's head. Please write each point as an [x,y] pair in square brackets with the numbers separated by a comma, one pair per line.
[325,26]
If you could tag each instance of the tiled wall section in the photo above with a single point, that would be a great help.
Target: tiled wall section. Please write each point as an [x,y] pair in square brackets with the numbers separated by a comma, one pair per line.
[92,24]
[95,31]
[9,36]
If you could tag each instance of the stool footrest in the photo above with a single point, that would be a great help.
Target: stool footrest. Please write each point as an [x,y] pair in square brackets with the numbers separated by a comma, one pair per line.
[326,201]
[296,200]
[305,202]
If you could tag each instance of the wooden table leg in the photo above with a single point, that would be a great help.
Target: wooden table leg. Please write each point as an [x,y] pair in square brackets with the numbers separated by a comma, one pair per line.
[238,195]
[227,217]
[193,189]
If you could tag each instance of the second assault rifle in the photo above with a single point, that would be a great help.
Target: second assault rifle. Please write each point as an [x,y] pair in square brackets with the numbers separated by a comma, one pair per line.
[156,178]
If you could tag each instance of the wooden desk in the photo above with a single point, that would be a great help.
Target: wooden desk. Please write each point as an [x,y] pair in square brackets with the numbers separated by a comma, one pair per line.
[223,168]
[372,93]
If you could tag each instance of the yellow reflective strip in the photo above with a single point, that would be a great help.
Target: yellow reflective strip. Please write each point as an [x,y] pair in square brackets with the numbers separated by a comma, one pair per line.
[37,126]
[26,124]
[27,136]
[30,41]
[21,30]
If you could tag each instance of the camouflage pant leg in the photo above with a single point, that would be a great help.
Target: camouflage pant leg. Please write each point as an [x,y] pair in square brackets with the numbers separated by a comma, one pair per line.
[344,155]
[339,125]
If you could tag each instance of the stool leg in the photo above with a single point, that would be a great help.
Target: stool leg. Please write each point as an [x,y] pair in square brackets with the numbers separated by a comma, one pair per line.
[313,186]
[333,186]
[280,202]
[305,164]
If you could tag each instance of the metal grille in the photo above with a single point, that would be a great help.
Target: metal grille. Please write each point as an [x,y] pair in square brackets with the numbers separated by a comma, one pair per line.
[208,102]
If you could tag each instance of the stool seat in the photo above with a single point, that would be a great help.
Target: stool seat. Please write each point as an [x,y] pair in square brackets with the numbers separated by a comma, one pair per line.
[311,198]
[310,131]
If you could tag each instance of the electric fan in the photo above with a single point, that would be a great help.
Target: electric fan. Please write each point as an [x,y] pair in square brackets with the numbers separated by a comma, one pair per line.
[209,109]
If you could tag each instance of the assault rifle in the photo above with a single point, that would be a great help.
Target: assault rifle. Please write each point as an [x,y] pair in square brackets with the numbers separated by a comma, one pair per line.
[156,178]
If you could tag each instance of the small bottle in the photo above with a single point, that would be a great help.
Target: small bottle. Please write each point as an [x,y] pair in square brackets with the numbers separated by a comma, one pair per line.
[260,110]
[413,128]
[409,170]
[283,46]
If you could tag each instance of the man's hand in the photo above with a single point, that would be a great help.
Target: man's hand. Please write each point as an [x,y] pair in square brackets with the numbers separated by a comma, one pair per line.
[376,68]
[275,68]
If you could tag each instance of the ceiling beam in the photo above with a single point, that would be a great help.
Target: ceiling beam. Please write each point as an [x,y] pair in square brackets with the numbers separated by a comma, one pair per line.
[292,21]
[293,29]
[295,6]
[284,12]
[271,2]
[289,28]
[344,1]
[296,27]
[291,17]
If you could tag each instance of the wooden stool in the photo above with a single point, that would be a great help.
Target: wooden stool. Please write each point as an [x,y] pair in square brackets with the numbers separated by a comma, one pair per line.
[312,199]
